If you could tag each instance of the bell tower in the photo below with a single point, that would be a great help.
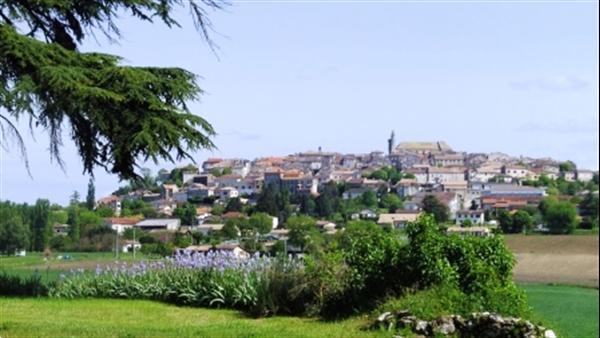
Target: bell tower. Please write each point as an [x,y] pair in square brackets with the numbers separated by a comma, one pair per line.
[391,143]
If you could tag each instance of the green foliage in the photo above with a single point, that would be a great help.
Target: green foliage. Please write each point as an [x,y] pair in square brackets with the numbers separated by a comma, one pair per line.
[90,199]
[433,206]
[303,232]
[13,285]
[105,212]
[261,222]
[588,208]
[391,202]
[567,166]
[14,234]
[234,204]
[560,217]
[117,114]
[41,227]
[59,216]
[481,268]
[186,213]
[369,199]
[521,221]
[218,172]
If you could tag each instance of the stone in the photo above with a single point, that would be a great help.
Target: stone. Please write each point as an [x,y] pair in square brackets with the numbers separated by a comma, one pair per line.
[422,326]
[382,317]
[549,334]
[402,313]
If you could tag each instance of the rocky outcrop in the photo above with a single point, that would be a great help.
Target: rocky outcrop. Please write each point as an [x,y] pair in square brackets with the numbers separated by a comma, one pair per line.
[476,325]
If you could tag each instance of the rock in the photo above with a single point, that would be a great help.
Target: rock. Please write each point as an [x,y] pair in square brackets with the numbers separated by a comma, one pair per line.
[444,325]
[422,326]
[402,313]
[383,317]
[549,334]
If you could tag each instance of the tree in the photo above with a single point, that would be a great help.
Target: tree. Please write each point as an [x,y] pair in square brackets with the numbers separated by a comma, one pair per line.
[474,205]
[303,231]
[567,166]
[466,223]
[433,206]
[307,205]
[117,114]
[186,213]
[74,198]
[505,221]
[391,202]
[369,199]
[90,199]
[267,200]
[74,223]
[234,204]
[41,229]
[560,217]
[14,234]
[521,221]
[261,222]
[588,208]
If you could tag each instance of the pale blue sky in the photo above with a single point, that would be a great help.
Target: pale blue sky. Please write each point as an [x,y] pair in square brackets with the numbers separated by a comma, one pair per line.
[520,78]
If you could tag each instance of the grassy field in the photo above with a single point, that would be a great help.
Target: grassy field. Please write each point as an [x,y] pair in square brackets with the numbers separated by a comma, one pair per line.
[564,259]
[571,311]
[45,317]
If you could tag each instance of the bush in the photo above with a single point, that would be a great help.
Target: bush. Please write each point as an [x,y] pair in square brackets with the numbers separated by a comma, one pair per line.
[13,285]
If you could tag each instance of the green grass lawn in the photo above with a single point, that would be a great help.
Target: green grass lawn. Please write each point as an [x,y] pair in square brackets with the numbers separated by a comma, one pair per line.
[571,311]
[44,317]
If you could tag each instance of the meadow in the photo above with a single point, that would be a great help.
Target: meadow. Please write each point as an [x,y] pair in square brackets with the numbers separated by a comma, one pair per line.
[571,311]
[134,318]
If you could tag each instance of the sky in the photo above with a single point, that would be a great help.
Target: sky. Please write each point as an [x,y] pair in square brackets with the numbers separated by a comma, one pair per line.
[519,77]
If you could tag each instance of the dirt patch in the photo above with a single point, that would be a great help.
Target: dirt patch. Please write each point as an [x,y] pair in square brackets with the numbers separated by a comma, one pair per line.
[562,269]
[555,259]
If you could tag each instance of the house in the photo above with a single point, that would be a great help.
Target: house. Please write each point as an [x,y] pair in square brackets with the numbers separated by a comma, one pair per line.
[449,160]
[398,220]
[326,226]
[234,248]
[585,175]
[469,231]
[198,191]
[168,191]
[420,172]
[442,175]
[130,246]
[226,193]
[119,224]
[367,214]
[296,182]
[485,173]
[112,201]
[520,172]
[232,215]
[475,216]
[353,193]
[407,187]
[60,229]
[450,199]
[159,224]
[207,229]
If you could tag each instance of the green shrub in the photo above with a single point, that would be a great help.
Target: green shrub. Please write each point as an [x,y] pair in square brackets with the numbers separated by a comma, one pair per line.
[13,285]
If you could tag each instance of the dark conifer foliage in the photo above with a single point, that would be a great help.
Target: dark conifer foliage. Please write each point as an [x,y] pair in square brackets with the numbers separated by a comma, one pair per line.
[117,115]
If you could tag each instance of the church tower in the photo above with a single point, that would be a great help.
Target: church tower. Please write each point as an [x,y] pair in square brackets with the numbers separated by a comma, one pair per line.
[391,143]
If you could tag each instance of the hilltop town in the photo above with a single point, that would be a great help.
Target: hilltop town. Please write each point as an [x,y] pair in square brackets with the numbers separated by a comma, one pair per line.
[469,185]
